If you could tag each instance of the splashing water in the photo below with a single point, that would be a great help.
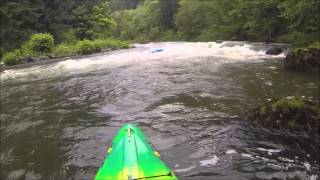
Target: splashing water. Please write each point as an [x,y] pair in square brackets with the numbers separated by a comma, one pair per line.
[58,118]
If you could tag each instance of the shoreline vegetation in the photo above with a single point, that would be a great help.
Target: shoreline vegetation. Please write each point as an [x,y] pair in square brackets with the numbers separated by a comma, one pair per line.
[51,29]
[41,47]
[50,59]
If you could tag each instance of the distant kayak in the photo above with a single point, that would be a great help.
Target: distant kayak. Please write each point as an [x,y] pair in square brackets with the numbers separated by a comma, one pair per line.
[131,157]
[156,50]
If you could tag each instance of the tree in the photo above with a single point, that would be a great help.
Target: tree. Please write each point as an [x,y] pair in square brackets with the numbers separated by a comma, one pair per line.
[103,25]
[120,5]
[168,10]
[142,24]
[193,17]
[304,20]
[81,22]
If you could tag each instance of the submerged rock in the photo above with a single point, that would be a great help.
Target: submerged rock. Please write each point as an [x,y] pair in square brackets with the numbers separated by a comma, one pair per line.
[303,59]
[274,51]
[295,114]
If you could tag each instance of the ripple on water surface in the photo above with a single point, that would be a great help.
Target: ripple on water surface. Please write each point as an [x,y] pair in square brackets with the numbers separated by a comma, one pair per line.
[58,119]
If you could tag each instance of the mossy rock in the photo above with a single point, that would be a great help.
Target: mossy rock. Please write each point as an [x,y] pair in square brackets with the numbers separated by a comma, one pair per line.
[295,114]
[303,59]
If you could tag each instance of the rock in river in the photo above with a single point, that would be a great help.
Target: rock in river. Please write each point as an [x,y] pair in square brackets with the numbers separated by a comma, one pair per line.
[303,59]
[274,51]
[295,114]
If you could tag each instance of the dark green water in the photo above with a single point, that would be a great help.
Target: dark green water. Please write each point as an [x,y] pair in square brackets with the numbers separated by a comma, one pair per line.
[58,119]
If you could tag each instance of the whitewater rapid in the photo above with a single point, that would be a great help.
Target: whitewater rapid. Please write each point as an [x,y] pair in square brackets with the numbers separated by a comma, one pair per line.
[228,52]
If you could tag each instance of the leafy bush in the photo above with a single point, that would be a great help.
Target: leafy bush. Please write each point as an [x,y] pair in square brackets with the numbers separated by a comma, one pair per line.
[41,43]
[26,50]
[141,24]
[121,44]
[18,55]
[12,58]
[111,43]
[87,47]
[68,36]
[169,35]
[64,50]
[103,25]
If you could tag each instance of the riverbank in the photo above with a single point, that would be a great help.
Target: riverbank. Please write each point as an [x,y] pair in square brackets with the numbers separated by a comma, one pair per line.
[42,46]
[57,59]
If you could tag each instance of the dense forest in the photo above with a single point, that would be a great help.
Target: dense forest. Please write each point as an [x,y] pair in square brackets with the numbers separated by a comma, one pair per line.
[68,21]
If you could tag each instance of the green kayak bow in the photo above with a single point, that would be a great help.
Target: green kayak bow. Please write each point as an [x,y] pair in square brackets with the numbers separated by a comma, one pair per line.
[131,157]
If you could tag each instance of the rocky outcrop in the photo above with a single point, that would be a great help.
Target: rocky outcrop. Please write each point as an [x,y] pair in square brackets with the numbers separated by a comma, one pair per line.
[295,114]
[303,59]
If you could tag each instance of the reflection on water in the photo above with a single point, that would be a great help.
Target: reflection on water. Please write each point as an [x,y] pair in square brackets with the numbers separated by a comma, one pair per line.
[58,119]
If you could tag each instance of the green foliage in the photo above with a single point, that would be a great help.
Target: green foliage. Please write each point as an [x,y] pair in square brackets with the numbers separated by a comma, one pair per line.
[142,24]
[192,18]
[303,16]
[169,35]
[93,23]
[64,50]
[81,22]
[168,10]
[111,43]
[287,104]
[20,19]
[291,21]
[103,26]
[294,113]
[304,59]
[124,4]
[41,43]
[87,47]
[12,58]
[68,36]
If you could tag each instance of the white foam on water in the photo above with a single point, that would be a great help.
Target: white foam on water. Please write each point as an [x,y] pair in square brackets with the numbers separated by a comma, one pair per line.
[313,177]
[276,166]
[247,156]
[143,55]
[210,162]
[185,169]
[207,49]
[307,165]
[75,64]
[231,151]
[286,159]
[269,151]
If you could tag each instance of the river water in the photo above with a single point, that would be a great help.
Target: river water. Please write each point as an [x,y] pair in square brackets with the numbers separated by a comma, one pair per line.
[58,119]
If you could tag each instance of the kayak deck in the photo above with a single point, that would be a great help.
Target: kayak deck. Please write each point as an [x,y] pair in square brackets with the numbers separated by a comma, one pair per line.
[131,157]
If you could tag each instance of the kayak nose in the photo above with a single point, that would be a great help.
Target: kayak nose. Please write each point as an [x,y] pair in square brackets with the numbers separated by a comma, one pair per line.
[130,157]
